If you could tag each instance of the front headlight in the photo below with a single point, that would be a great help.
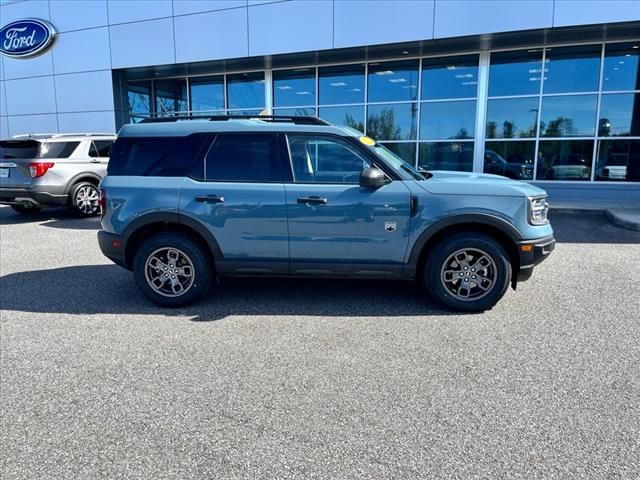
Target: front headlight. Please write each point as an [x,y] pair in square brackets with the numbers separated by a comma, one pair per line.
[538,209]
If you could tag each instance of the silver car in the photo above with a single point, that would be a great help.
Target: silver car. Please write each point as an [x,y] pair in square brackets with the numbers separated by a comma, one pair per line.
[49,170]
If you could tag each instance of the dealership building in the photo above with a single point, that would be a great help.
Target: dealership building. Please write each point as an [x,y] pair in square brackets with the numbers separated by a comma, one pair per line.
[546,91]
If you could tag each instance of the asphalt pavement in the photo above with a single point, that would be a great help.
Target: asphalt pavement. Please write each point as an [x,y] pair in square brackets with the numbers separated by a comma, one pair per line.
[316,379]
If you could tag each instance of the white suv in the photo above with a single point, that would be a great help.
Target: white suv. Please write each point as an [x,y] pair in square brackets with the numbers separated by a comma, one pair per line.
[64,169]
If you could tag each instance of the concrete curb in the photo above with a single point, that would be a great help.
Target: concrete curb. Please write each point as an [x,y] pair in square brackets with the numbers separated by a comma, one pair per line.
[624,219]
[577,211]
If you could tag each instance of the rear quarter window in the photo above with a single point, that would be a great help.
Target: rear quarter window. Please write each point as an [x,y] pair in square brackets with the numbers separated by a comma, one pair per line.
[158,156]
[57,149]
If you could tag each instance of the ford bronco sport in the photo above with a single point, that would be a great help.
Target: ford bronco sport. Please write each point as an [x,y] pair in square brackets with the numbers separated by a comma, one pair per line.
[186,201]
[50,170]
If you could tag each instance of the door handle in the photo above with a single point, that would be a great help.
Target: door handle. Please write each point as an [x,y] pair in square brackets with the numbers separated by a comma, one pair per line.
[413,205]
[94,160]
[209,199]
[312,200]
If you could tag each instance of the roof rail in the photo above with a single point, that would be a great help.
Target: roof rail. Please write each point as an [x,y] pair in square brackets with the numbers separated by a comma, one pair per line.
[34,135]
[59,135]
[220,118]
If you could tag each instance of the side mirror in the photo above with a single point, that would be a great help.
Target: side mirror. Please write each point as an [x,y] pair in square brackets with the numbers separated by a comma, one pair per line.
[372,177]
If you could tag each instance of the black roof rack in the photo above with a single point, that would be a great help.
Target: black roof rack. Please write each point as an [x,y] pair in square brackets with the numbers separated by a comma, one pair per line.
[220,118]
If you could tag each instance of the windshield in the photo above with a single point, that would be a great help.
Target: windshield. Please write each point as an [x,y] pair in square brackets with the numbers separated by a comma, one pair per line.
[397,163]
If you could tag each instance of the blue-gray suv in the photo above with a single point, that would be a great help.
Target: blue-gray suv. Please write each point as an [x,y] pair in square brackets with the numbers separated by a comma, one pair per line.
[186,201]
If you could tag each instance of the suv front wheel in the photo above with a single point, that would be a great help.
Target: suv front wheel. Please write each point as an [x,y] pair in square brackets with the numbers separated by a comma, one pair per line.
[468,271]
[171,270]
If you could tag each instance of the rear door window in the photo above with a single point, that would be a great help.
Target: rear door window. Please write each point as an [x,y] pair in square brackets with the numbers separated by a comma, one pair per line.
[57,149]
[158,156]
[245,157]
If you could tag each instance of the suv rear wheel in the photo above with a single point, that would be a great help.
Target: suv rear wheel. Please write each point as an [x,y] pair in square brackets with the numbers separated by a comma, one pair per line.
[468,271]
[84,199]
[171,270]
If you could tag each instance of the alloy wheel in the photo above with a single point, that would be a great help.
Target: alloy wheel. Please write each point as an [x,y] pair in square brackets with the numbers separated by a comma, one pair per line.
[86,198]
[169,272]
[469,274]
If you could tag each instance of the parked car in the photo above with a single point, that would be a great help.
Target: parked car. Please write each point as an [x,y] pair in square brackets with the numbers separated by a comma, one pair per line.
[187,201]
[48,170]
[517,167]
[569,167]
[612,167]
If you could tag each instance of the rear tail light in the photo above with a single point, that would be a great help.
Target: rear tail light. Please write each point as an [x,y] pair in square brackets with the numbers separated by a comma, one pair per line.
[38,169]
[102,202]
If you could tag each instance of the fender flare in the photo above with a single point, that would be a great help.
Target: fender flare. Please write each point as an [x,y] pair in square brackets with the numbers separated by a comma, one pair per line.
[463,219]
[173,217]
[79,177]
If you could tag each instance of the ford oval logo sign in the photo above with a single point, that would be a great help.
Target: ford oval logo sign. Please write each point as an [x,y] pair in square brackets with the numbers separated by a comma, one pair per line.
[26,38]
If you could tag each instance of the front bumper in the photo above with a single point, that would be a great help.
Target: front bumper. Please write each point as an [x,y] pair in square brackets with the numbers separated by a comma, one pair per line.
[531,253]
[112,247]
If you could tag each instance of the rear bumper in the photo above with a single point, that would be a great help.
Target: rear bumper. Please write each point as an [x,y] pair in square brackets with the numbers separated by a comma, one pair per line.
[532,252]
[20,196]
[112,247]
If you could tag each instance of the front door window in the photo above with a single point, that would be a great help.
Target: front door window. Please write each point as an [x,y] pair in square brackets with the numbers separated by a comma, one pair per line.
[325,160]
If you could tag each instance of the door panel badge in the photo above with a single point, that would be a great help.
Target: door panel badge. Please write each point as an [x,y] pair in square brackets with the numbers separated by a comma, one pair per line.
[390,226]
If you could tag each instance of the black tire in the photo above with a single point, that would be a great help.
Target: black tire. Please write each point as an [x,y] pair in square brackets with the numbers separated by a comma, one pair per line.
[442,272]
[25,210]
[83,200]
[144,272]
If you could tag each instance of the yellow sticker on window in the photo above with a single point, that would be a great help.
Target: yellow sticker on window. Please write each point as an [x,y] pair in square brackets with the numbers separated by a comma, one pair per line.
[367,141]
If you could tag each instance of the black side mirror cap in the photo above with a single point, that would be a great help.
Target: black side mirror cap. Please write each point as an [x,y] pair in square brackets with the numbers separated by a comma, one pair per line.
[372,177]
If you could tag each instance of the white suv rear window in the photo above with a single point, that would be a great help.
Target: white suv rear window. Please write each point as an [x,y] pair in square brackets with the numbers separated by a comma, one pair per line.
[57,149]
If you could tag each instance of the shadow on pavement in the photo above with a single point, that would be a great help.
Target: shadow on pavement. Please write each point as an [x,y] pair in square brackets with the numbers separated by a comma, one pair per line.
[109,289]
[589,228]
[49,217]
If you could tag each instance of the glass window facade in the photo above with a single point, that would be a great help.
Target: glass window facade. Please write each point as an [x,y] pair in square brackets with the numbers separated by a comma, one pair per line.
[564,115]
[453,77]
[621,66]
[401,104]
[515,73]
[446,156]
[512,117]
[568,116]
[343,84]
[171,96]
[619,115]
[393,81]
[294,88]
[245,91]
[510,159]
[564,160]
[555,113]
[348,115]
[572,69]
[392,121]
[139,97]
[448,120]
[207,94]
